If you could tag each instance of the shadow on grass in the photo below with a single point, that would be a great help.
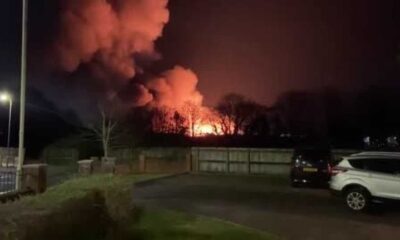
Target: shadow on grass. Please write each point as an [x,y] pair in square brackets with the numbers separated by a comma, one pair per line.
[85,219]
[169,225]
[142,234]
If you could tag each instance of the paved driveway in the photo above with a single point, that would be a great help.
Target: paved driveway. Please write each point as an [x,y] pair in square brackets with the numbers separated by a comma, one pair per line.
[269,204]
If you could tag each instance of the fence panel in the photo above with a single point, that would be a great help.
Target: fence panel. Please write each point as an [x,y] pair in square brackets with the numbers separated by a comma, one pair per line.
[7,180]
[213,160]
[248,160]
[242,160]
[60,156]
[8,157]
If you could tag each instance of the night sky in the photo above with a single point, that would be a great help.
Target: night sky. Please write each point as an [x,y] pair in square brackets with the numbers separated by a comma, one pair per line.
[258,48]
[261,48]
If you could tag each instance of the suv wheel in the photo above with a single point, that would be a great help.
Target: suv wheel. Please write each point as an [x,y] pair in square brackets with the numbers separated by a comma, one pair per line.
[357,199]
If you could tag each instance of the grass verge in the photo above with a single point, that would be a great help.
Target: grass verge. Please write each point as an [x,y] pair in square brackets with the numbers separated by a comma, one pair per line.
[79,187]
[95,201]
[100,207]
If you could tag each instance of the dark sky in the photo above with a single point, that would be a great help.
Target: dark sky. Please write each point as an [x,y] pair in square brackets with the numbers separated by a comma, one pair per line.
[259,48]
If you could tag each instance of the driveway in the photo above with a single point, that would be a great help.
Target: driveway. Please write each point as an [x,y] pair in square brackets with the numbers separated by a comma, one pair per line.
[268,203]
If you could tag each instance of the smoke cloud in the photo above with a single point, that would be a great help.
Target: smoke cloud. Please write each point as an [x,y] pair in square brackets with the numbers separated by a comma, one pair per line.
[174,88]
[107,35]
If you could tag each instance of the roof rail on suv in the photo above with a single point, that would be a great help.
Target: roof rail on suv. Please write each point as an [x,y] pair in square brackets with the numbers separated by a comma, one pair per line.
[388,154]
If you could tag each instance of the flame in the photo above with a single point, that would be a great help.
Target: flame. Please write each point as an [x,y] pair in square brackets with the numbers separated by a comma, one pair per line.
[204,130]
[210,123]
[194,119]
[202,121]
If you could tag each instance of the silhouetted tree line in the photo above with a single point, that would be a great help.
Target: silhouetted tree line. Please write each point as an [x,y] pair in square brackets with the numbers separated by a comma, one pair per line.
[341,118]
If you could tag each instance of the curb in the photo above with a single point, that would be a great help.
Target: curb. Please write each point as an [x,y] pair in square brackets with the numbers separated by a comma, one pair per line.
[153,180]
[14,196]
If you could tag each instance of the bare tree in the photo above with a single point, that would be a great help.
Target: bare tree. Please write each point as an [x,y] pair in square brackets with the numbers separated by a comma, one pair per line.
[235,112]
[226,124]
[179,123]
[105,130]
[212,118]
[192,113]
[260,124]
[160,120]
[167,120]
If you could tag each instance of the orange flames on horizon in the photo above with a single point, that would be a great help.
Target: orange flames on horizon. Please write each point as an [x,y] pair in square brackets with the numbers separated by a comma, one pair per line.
[194,119]
[205,129]
[201,121]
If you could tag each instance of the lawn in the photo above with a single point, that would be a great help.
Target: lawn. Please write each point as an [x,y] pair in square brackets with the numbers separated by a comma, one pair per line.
[79,187]
[57,174]
[67,211]
[61,206]
[169,225]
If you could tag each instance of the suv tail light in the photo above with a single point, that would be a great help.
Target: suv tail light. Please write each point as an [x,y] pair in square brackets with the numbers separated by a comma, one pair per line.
[336,170]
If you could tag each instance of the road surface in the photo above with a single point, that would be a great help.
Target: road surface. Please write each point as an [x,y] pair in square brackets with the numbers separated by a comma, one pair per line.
[269,204]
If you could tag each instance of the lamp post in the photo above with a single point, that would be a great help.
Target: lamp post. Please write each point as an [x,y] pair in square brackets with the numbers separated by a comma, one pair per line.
[5,97]
[24,40]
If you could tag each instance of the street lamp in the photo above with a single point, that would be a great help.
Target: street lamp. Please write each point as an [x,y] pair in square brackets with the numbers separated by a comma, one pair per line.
[5,97]
[24,40]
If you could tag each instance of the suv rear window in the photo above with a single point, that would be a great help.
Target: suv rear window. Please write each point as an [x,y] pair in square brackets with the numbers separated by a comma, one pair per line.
[384,165]
[313,156]
[357,163]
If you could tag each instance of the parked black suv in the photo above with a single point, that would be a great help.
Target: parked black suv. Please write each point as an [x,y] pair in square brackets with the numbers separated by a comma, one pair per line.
[310,166]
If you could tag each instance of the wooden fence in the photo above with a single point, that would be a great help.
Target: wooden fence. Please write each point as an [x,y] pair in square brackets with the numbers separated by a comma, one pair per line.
[202,160]
[241,160]
[153,160]
[8,157]
[247,160]
[60,156]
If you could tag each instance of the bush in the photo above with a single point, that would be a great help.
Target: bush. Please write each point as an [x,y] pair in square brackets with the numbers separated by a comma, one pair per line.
[81,208]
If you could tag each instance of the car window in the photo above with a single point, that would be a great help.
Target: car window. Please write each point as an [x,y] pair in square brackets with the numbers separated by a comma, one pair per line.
[388,166]
[313,156]
[357,163]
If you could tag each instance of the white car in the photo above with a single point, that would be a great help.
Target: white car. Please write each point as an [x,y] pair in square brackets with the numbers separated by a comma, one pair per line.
[367,177]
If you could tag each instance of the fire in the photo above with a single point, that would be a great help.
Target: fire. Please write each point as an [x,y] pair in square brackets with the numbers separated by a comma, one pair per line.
[209,123]
[204,130]
[202,121]
[192,119]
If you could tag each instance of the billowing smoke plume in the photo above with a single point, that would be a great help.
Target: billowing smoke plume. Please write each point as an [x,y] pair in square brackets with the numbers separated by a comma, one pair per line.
[108,35]
[174,88]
